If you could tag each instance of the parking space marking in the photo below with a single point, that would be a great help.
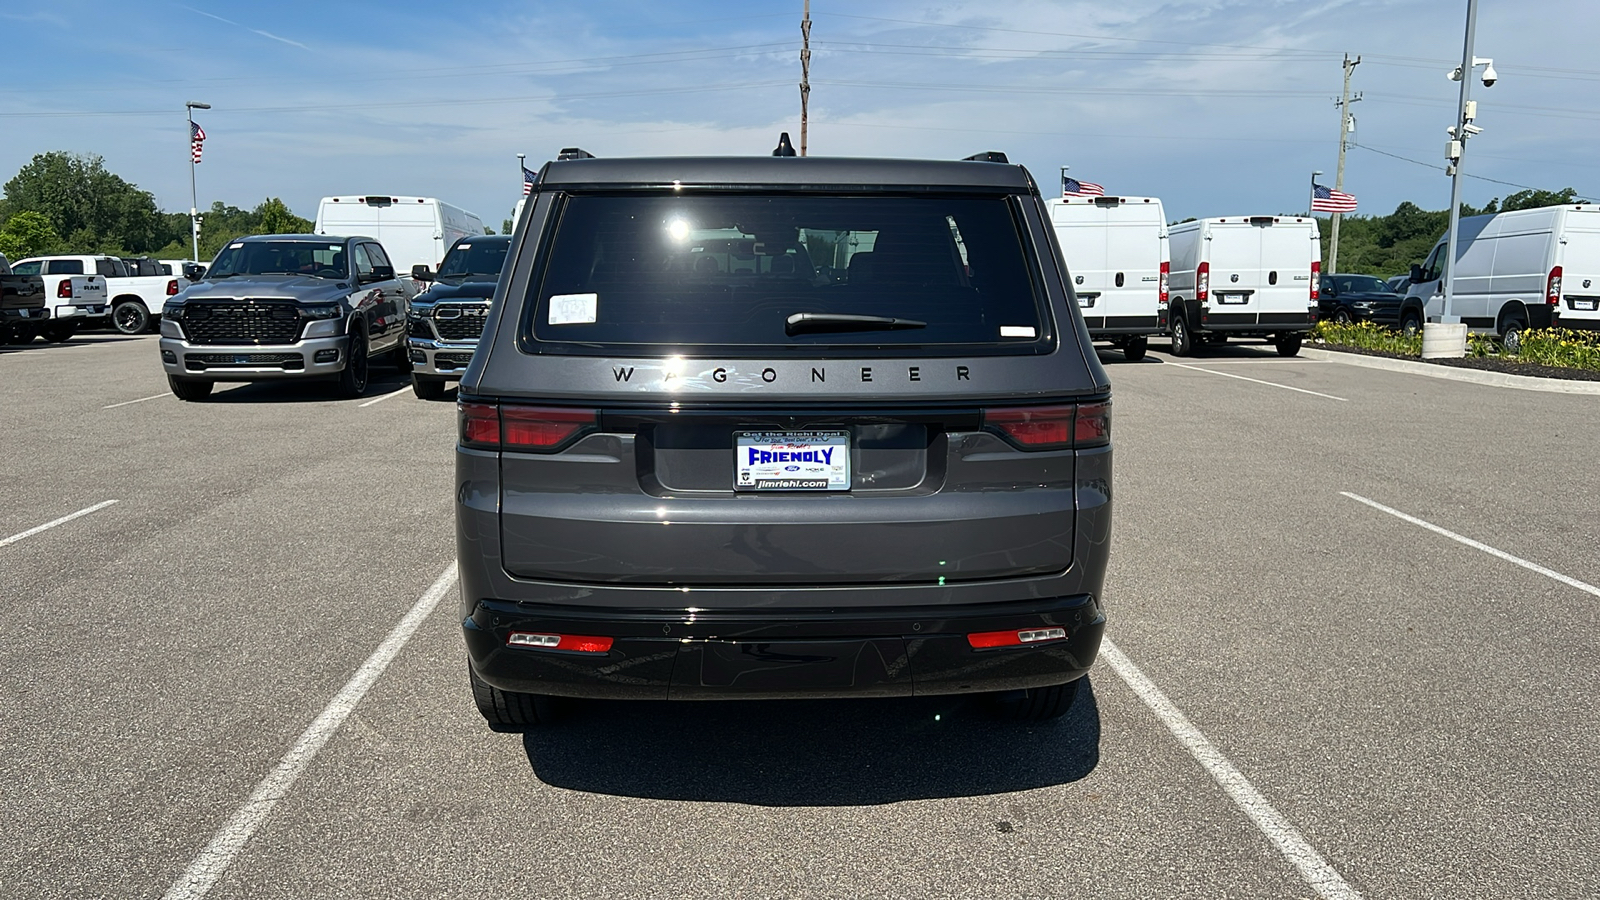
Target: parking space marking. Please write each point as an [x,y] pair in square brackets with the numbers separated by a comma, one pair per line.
[140,400]
[212,861]
[1477,545]
[6,542]
[1316,871]
[1259,381]
[385,397]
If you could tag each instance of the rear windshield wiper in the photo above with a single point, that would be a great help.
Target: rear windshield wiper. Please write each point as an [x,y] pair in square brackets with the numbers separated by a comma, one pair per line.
[801,323]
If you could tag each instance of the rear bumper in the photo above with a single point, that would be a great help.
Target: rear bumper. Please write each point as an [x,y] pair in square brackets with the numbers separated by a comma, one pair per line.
[85,314]
[1254,323]
[440,359]
[695,654]
[1106,326]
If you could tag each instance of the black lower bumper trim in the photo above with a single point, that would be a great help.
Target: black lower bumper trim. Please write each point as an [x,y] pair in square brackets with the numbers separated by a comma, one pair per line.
[683,654]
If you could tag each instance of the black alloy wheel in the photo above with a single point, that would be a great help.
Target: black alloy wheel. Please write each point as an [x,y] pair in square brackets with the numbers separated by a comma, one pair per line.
[353,377]
[130,317]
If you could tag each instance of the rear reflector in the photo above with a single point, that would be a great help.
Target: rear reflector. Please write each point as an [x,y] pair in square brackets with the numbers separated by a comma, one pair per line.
[577,643]
[985,640]
[1052,427]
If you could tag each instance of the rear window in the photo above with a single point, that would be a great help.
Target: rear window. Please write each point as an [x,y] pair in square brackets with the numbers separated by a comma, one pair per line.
[929,274]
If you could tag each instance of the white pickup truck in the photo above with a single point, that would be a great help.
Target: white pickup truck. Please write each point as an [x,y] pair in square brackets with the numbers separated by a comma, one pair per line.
[133,301]
[73,297]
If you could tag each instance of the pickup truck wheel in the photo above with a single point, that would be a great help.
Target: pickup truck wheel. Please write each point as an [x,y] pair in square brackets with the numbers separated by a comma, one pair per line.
[1288,344]
[507,710]
[1039,704]
[130,317]
[353,378]
[1182,340]
[59,332]
[427,387]
[1133,349]
[1342,317]
[192,390]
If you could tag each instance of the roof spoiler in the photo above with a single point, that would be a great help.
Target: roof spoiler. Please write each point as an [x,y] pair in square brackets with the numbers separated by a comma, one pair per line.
[994,156]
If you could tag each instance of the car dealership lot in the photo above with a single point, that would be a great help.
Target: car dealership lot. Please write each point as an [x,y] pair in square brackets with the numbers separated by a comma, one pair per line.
[1415,711]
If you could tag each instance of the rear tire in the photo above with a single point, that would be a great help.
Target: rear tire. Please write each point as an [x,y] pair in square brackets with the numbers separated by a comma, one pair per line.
[1039,704]
[192,390]
[353,377]
[59,332]
[507,710]
[1182,340]
[130,317]
[1288,344]
[427,387]
[1135,348]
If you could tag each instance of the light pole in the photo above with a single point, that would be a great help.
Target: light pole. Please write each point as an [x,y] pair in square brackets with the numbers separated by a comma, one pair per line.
[194,201]
[1454,151]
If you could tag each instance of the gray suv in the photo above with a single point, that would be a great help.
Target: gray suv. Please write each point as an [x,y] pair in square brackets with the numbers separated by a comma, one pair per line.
[779,428]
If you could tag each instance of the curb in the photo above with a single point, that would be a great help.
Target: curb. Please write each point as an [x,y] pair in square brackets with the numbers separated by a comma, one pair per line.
[1451,373]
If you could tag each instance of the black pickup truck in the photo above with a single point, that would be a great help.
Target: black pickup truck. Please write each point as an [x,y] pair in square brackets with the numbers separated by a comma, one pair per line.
[22,305]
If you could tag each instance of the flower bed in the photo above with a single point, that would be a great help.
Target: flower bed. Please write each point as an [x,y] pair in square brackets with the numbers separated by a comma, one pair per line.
[1545,352]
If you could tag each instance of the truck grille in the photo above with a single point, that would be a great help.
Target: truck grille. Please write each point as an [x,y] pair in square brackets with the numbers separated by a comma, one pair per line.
[451,360]
[196,361]
[258,322]
[456,322]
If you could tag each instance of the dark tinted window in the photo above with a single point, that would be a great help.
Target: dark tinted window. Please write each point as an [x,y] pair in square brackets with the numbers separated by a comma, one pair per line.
[110,268]
[1350,284]
[475,258]
[65,267]
[731,271]
[376,254]
[321,258]
[27,268]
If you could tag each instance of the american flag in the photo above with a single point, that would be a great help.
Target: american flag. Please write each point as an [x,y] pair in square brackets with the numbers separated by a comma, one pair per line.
[197,137]
[528,178]
[1072,187]
[1331,201]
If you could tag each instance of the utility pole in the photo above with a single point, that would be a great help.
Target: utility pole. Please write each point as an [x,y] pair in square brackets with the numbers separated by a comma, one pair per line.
[805,74]
[1346,126]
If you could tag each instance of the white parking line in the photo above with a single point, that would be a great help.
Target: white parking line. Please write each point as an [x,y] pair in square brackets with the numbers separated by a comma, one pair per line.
[49,525]
[229,841]
[1476,545]
[140,400]
[1316,871]
[1259,381]
[384,397]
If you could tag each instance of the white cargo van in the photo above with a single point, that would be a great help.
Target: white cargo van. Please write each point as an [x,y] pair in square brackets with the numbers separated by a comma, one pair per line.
[1115,249]
[1243,276]
[1529,268]
[414,230]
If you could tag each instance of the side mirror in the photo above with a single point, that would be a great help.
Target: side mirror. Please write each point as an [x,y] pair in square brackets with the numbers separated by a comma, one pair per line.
[193,271]
[1416,273]
[421,272]
[383,273]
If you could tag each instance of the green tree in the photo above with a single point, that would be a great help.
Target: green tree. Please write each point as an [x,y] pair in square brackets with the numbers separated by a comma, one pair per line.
[506,226]
[275,218]
[28,234]
[1533,199]
[94,208]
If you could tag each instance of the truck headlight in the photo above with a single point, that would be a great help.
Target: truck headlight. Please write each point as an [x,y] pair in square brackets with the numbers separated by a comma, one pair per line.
[172,311]
[320,312]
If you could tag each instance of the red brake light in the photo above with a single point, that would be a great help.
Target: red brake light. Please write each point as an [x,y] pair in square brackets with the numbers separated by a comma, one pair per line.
[1166,269]
[1053,427]
[1316,278]
[1202,282]
[494,427]
[1552,287]
[64,289]
[172,288]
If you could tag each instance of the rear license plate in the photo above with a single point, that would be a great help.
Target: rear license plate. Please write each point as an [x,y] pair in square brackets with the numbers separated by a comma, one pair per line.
[1085,302]
[792,461]
[1233,298]
[1583,304]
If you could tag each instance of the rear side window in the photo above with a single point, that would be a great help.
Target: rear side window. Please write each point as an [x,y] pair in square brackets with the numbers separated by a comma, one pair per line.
[110,268]
[65,267]
[632,273]
[27,268]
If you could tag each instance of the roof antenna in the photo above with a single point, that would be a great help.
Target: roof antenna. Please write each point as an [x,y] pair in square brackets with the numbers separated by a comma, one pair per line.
[784,148]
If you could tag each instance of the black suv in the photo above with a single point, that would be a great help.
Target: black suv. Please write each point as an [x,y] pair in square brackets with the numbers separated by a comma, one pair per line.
[782,427]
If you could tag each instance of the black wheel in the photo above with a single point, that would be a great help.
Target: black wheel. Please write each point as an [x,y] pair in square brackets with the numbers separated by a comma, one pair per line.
[1182,340]
[59,332]
[401,360]
[1342,317]
[130,317]
[1288,344]
[192,390]
[1135,347]
[427,387]
[353,378]
[1039,704]
[1411,323]
[507,710]
[1511,333]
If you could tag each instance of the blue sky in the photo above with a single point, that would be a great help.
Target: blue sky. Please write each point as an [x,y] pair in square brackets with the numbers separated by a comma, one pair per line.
[1219,107]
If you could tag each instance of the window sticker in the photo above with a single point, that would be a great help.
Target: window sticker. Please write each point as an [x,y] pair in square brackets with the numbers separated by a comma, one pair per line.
[1018,331]
[234,246]
[573,309]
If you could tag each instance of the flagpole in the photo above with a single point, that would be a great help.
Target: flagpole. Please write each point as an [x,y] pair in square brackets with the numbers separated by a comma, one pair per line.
[1312,199]
[194,197]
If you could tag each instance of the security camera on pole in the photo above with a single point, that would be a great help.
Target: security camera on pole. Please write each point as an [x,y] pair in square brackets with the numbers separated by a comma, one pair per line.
[1447,336]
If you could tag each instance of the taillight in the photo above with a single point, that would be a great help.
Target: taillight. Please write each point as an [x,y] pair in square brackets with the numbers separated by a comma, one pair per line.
[172,288]
[1166,269]
[1552,287]
[531,428]
[576,643]
[64,289]
[1202,282]
[1316,278]
[1052,427]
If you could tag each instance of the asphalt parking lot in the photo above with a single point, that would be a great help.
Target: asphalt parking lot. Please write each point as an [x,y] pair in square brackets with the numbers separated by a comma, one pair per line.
[1305,693]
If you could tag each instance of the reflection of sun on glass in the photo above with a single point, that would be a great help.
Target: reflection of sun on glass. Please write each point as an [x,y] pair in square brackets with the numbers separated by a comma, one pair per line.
[679,229]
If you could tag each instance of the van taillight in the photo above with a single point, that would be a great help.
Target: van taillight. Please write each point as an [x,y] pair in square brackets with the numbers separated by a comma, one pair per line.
[1552,287]
[493,426]
[1161,295]
[172,287]
[1316,278]
[1052,427]
[1202,282]
[64,289]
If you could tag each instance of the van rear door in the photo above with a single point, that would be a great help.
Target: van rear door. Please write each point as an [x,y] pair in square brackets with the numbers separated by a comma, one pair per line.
[1579,258]
[1133,266]
[1285,278]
